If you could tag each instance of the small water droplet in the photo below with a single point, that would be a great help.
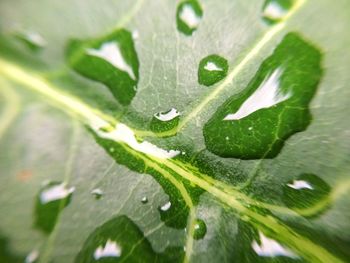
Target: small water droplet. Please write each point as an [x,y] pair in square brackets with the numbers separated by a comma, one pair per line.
[305,191]
[275,10]
[33,40]
[200,229]
[144,200]
[51,200]
[97,193]
[165,121]
[188,16]
[165,207]
[110,59]
[212,69]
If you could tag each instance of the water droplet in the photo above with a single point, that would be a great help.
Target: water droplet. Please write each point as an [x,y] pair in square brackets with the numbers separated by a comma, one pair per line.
[273,107]
[275,10]
[120,239]
[165,121]
[51,200]
[32,257]
[111,59]
[110,249]
[188,15]
[305,191]
[200,229]
[97,193]
[268,247]
[33,40]
[212,69]
[144,200]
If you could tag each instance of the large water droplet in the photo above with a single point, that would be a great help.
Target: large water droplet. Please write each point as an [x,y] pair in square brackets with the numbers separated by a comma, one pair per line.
[305,191]
[109,250]
[275,10]
[165,207]
[200,229]
[165,121]
[120,240]
[188,16]
[272,108]
[52,198]
[33,40]
[123,141]
[267,247]
[212,69]
[111,59]
[32,257]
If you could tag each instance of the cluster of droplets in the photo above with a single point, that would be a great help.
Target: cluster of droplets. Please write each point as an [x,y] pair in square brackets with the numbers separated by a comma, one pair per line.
[115,54]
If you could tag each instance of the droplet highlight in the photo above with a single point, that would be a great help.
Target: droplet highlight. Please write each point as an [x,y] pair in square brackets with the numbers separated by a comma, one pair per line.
[212,69]
[305,191]
[108,250]
[32,257]
[188,16]
[111,60]
[276,10]
[273,107]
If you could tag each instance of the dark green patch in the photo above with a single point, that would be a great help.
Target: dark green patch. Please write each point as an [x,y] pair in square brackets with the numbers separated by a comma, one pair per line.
[188,16]
[305,191]
[255,123]
[254,245]
[46,212]
[165,121]
[111,60]
[126,243]
[274,11]
[212,69]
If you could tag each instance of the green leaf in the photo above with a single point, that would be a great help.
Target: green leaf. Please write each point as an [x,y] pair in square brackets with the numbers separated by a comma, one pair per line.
[113,138]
